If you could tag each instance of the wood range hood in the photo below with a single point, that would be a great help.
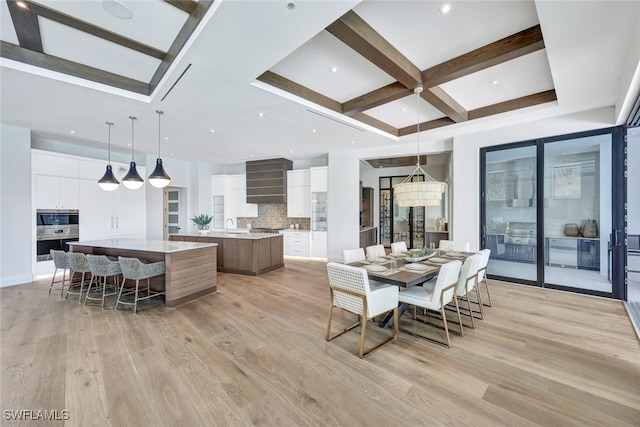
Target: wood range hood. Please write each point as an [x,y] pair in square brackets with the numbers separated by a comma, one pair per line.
[267,180]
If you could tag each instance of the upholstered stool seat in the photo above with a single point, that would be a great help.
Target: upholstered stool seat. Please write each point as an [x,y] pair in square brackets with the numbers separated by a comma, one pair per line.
[61,262]
[135,269]
[102,268]
[79,264]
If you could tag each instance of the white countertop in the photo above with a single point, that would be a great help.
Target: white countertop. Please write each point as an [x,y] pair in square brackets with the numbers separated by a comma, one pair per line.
[163,246]
[223,235]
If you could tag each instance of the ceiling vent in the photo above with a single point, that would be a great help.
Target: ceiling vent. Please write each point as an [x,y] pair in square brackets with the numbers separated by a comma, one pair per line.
[267,180]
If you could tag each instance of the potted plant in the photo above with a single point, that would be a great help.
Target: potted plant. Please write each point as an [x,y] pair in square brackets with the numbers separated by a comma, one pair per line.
[202,221]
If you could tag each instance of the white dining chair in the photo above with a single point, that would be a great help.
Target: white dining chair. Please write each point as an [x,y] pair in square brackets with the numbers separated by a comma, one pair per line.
[450,245]
[375,251]
[353,255]
[436,298]
[467,282]
[482,274]
[398,247]
[350,291]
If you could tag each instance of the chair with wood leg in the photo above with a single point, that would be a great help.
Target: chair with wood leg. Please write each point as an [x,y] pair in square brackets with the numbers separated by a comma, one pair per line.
[79,264]
[482,274]
[60,262]
[102,268]
[436,298]
[399,247]
[350,291]
[134,269]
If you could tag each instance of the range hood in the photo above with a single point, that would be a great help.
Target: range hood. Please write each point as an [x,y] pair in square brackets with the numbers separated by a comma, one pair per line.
[267,180]
[523,173]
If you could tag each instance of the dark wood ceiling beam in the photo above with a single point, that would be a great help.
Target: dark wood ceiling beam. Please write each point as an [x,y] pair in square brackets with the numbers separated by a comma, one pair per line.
[61,65]
[184,5]
[514,46]
[361,117]
[514,104]
[378,97]
[361,37]
[431,124]
[25,22]
[296,89]
[88,28]
[187,29]
[440,99]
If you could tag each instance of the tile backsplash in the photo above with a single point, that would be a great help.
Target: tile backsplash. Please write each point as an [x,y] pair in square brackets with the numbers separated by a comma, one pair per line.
[273,215]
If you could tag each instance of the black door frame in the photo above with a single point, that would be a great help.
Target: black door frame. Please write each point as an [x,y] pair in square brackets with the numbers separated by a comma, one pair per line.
[618,208]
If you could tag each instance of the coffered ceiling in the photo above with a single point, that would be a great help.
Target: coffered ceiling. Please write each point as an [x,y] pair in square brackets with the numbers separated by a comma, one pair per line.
[242,80]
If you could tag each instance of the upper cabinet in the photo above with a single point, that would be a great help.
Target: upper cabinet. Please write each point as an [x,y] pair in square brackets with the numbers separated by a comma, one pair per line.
[318,179]
[54,192]
[298,194]
[234,190]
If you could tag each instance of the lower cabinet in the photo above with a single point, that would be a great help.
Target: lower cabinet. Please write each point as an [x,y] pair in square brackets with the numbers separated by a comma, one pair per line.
[297,243]
[319,244]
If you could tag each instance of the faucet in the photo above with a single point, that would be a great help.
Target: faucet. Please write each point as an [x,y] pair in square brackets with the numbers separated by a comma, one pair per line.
[227,222]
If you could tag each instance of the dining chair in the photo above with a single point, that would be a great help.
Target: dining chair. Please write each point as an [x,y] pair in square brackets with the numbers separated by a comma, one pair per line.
[375,251]
[451,245]
[436,298]
[467,281]
[398,247]
[482,274]
[350,291]
[60,262]
[134,269]
[353,255]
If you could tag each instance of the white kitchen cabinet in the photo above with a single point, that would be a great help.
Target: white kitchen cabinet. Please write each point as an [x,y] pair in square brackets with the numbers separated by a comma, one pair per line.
[318,243]
[296,243]
[46,163]
[54,192]
[298,194]
[234,190]
[318,178]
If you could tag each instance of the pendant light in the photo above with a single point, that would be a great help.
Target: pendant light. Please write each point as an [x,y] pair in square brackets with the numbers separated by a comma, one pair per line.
[132,179]
[108,182]
[421,193]
[159,177]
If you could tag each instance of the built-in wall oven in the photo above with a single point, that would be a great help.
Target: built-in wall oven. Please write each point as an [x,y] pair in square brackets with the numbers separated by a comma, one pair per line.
[54,229]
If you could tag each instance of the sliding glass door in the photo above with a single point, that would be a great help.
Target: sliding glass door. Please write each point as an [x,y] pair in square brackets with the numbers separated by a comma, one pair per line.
[553,212]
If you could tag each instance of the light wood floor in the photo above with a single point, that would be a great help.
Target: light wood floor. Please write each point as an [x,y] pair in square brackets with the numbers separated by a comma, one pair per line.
[254,354]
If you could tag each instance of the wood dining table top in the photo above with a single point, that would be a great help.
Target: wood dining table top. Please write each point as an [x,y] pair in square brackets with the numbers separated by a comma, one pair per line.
[405,277]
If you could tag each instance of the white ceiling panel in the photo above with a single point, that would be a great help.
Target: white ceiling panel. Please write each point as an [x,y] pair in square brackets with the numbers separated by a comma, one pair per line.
[427,38]
[68,43]
[154,22]
[520,77]
[7,32]
[310,65]
[403,112]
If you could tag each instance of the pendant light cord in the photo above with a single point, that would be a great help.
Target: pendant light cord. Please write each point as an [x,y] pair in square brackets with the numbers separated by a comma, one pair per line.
[109,143]
[160,113]
[133,119]
[418,91]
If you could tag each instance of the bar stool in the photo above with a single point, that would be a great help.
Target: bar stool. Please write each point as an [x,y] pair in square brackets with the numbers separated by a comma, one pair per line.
[134,269]
[102,267]
[79,264]
[60,261]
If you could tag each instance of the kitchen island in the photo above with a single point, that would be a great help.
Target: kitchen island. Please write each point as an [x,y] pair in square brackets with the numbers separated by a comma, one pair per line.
[249,253]
[190,266]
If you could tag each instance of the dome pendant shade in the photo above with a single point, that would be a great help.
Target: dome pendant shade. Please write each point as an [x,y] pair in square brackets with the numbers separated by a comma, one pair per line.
[108,182]
[132,179]
[159,177]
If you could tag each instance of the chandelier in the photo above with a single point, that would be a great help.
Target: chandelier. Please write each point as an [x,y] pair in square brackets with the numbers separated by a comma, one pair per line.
[411,193]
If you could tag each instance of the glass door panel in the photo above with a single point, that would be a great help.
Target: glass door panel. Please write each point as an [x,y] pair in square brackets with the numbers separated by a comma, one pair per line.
[510,212]
[577,212]
[385,217]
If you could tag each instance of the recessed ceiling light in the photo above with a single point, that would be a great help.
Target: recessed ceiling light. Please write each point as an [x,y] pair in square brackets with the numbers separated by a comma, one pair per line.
[172,154]
[290,151]
[252,155]
[334,69]
[495,82]
[212,130]
[72,131]
[404,109]
[353,142]
[117,9]
[218,159]
[166,138]
[313,130]
[22,5]
[260,114]
[291,5]
[444,9]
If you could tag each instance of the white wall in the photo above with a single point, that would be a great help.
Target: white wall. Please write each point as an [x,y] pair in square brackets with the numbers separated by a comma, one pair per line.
[15,206]
[466,161]
[343,207]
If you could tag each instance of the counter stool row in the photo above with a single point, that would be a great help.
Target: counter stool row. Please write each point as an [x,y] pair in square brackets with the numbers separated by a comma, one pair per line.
[103,268]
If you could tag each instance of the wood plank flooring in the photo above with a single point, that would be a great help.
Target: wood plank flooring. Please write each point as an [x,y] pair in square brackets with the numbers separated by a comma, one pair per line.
[254,353]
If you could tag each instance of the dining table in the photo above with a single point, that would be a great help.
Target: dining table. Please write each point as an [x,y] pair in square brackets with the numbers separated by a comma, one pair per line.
[407,272]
